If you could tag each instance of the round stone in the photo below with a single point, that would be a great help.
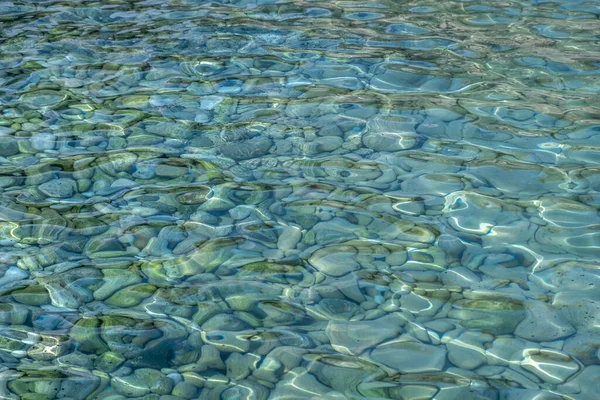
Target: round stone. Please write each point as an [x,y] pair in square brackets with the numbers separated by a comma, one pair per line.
[390,141]
[410,357]
[8,146]
[59,188]
[248,149]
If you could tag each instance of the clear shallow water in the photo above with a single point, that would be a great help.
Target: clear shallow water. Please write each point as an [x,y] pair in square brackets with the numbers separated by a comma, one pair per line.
[309,200]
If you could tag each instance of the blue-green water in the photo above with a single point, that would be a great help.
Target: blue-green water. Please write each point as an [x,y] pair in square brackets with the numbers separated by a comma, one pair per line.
[290,200]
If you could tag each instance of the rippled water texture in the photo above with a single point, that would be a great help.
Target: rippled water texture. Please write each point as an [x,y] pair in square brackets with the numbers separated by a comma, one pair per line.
[286,200]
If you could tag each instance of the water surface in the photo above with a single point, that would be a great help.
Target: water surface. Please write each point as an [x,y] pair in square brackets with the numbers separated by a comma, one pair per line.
[286,200]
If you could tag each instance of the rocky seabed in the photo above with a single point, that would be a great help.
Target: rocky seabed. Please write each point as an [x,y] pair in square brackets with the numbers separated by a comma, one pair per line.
[372,207]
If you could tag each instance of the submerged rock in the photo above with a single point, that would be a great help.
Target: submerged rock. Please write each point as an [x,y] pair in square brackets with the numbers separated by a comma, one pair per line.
[8,146]
[549,365]
[59,188]
[390,141]
[410,357]
[496,316]
[357,336]
[247,149]
[335,260]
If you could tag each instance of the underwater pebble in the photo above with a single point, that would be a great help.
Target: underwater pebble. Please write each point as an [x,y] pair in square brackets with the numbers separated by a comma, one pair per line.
[410,356]
[390,141]
[248,149]
[357,336]
[543,324]
[549,365]
[467,349]
[59,188]
[8,146]
[334,261]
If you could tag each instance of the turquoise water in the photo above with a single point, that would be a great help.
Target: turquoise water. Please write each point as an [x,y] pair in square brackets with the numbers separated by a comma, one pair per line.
[290,200]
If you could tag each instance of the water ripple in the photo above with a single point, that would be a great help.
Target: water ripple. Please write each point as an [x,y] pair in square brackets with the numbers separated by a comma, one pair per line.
[276,199]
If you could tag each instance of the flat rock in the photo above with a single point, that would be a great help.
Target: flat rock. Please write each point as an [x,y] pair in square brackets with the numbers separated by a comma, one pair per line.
[59,188]
[459,276]
[354,337]
[390,141]
[289,238]
[247,149]
[542,324]
[130,386]
[580,309]
[585,385]
[495,316]
[549,365]
[296,384]
[467,350]
[226,322]
[8,146]
[335,260]
[170,171]
[583,346]
[410,357]
[502,349]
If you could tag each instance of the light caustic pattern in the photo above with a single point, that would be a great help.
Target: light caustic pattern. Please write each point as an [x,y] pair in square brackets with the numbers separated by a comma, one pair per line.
[284,200]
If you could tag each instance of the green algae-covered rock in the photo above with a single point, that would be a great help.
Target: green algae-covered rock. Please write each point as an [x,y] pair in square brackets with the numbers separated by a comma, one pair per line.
[130,386]
[32,295]
[85,333]
[495,316]
[13,314]
[131,296]
[114,280]
[109,361]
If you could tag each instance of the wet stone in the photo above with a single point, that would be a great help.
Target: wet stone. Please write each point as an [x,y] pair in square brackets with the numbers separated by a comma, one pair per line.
[543,324]
[170,171]
[59,188]
[549,365]
[335,261]
[336,309]
[583,347]
[32,295]
[390,141]
[585,384]
[109,362]
[8,146]
[410,356]
[460,276]
[185,390]
[43,141]
[76,359]
[467,351]
[247,149]
[226,322]
[14,314]
[130,386]
[130,296]
[355,337]
[495,316]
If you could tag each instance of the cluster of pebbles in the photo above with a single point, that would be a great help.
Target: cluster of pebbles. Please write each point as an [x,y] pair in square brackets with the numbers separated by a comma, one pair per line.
[363,210]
